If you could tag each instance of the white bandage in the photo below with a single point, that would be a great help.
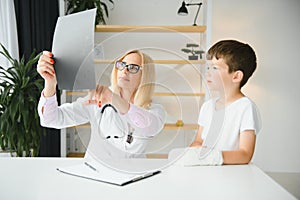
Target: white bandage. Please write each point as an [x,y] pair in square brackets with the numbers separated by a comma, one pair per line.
[193,156]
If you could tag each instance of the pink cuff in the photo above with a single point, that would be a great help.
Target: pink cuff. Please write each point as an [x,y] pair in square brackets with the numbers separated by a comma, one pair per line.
[47,100]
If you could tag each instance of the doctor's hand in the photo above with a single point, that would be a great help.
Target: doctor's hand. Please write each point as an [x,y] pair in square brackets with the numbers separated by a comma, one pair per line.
[100,96]
[196,144]
[46,69]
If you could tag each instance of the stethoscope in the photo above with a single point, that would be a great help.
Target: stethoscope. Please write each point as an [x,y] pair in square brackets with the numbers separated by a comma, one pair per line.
[130,131]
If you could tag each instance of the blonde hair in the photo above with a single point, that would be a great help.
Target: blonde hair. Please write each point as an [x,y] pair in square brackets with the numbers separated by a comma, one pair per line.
[143,94]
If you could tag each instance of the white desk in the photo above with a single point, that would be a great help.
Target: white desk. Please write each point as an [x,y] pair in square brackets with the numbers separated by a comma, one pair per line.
[37,178]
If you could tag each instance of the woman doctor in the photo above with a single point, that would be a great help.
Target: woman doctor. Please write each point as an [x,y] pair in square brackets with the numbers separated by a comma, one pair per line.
[122,117]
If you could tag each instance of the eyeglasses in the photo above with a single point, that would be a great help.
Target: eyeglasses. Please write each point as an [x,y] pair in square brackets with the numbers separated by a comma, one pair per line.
[131,68]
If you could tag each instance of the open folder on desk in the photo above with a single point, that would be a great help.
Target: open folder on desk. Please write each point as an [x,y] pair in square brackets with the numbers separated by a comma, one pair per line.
[99,172]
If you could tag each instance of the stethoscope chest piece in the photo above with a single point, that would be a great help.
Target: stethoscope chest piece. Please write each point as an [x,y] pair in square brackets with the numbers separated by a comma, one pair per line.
[129,138]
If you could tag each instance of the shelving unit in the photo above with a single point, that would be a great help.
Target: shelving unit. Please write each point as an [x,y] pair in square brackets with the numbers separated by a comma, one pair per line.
[181,62]
[166,127]
[71,93]
[122,28]
[151,29]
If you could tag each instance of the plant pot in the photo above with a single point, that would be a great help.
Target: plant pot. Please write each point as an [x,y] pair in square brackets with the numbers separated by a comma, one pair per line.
[193,57]
[6,154]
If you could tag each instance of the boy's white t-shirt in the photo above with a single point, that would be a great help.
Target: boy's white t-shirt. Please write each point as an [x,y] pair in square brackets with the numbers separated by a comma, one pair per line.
[222,128]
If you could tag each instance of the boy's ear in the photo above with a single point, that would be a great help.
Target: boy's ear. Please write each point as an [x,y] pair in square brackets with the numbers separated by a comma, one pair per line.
[237,76]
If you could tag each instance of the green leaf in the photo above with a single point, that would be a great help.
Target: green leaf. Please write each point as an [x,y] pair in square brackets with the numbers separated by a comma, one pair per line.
[20,88]
[74,6]
[6,54]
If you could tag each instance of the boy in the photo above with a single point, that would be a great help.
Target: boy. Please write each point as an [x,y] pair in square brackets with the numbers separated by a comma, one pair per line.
[229,123]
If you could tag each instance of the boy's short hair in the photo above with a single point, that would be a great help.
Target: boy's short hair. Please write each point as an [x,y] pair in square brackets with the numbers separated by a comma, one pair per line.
[237,55]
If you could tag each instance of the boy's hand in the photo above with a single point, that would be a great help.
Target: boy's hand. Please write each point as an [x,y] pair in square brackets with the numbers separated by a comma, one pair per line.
[199,157]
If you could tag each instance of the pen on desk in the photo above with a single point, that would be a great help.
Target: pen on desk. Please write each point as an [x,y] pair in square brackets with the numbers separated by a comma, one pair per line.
[90,166]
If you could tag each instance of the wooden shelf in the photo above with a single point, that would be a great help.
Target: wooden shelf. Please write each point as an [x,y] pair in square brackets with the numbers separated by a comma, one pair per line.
[76,154]
[150,156]
[178,94]
[122,28]
[82,126]
[156,156]
[184,127]
[157,94]
[166,126]
[76,93]
[180,62]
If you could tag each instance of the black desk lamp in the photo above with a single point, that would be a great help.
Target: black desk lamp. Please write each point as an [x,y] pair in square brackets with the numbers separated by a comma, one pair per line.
[183,10]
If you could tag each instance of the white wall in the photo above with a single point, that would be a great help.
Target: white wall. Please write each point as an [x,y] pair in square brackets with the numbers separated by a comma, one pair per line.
[154,12]
[272,28]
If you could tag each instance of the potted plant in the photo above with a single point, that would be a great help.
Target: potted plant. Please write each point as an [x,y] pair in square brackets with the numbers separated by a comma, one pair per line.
[20,89]
[74,6]
[194,52]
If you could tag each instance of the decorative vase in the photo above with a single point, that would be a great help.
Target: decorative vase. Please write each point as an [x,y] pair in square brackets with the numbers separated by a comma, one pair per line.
[193,57]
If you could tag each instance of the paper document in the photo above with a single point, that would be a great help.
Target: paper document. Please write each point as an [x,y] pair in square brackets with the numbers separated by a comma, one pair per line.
[98,172]
[72,47]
